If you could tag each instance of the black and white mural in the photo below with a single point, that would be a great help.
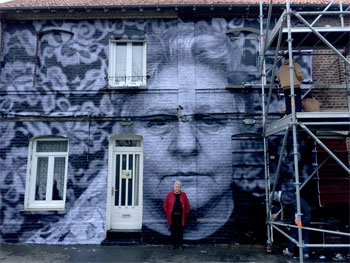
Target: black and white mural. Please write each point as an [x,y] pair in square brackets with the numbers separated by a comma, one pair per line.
[186,116]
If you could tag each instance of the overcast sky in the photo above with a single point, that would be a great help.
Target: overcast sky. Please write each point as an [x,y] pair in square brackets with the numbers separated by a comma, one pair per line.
[3,1]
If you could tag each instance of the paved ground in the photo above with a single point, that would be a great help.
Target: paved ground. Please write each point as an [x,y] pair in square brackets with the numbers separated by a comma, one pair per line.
[29,253]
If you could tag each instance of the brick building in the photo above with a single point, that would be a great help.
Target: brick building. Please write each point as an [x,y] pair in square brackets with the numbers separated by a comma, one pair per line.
[105,104]
[331,90]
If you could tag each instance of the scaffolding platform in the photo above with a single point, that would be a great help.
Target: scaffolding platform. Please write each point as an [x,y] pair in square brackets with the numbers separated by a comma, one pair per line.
[304,37]
[330,122]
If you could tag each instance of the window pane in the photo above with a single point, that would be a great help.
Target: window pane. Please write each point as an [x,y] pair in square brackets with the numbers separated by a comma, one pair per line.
[124,162]
[123,192]
[123,181]
[58,178]
[128,143]
[52,146]
[136,179]
[130,180]
[41,178]
[137,62]
[117,175]
[250,52]
[120,67]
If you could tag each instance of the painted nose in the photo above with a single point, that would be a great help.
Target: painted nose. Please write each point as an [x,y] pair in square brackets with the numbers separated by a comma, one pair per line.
[185,144]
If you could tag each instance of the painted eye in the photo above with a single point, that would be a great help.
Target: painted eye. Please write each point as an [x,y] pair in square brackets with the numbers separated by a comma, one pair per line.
[157,123]
[160,126]
[209,124]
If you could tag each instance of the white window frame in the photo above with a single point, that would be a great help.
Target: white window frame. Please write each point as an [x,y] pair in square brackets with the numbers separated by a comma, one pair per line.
[33,155]
[112,62]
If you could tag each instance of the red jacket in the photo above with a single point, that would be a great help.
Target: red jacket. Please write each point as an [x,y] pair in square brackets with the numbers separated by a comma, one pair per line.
[169,205]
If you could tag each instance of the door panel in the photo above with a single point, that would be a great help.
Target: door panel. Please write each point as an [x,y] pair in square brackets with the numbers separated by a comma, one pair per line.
[126,210]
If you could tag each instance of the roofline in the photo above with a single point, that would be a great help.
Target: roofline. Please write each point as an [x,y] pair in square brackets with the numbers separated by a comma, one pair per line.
[147,11]
[154,6]
[120,6]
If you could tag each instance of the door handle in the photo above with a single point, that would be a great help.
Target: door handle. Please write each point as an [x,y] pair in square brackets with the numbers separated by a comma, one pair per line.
[112,191]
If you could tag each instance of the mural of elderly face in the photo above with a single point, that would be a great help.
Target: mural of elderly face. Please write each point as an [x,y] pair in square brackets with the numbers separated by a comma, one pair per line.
[186,131]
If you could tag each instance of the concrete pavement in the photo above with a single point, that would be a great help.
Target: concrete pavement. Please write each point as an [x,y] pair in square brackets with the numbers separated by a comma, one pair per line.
[28,253]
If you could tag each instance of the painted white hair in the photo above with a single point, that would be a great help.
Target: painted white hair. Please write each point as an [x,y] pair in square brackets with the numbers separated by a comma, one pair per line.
[178,183]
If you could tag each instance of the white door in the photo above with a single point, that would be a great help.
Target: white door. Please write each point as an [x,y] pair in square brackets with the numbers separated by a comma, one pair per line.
[126,184]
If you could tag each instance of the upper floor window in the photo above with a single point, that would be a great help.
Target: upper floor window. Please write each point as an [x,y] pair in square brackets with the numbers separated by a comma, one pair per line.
[47,177]
[250,52]
[127,63]
[245,45]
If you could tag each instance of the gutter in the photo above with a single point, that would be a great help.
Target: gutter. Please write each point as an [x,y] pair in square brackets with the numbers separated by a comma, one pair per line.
[117,11]
[157,7]
[144,10]
[1,40]
[165,6]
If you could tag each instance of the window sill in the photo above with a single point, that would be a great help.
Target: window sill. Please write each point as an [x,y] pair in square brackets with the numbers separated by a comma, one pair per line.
[33,211]
[141,87]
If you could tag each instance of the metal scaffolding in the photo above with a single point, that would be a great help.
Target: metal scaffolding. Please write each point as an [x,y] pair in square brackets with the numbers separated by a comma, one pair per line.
[307,36]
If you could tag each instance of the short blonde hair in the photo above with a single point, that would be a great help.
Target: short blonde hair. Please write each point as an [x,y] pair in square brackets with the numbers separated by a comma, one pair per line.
[178,183]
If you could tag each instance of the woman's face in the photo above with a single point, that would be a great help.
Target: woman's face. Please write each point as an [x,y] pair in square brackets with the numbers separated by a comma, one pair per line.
[177,189]
[192,145]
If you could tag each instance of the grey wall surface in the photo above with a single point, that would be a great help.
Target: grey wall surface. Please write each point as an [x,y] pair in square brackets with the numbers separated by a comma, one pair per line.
[190,63]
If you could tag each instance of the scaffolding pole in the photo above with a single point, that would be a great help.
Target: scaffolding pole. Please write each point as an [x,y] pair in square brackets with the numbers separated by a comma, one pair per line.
[292,122]
[294,130]
[262,51]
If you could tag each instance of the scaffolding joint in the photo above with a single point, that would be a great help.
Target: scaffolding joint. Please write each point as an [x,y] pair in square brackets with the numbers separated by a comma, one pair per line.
[298,154]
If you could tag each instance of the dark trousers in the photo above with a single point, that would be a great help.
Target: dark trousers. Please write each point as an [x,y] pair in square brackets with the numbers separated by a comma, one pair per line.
[297,92]
[305,234]
[176,229]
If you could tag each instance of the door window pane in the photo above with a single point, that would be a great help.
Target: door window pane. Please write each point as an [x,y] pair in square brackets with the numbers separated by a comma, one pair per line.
[136,179]
[58,178]
[123,181]
[117,178]
[128,143]
[124,161]
[123,192]
[41,178]
[130,181]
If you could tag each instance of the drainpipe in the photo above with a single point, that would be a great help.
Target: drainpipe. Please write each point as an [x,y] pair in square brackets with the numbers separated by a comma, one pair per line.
[2,29]
[36,59]
[347,78]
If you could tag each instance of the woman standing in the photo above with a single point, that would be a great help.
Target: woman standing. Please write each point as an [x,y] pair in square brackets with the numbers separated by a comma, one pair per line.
[176,207]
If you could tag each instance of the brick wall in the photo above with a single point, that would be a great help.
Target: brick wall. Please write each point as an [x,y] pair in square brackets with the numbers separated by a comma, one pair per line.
[327,67]
[330,72]
[331,97]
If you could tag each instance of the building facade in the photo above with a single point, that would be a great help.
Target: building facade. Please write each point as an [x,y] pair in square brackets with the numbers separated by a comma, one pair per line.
[101,115]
